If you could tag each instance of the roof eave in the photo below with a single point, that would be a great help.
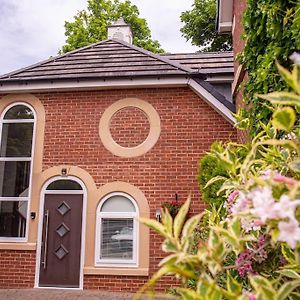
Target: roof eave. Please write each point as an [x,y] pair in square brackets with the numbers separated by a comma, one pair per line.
[21,86]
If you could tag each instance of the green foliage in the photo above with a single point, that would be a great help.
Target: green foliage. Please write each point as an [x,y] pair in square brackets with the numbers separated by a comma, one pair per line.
[210,167]
[248,253]
[272,31]
[90,25]
[199,27]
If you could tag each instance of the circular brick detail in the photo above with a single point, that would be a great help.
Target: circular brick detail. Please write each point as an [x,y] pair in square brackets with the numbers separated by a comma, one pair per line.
[129,127]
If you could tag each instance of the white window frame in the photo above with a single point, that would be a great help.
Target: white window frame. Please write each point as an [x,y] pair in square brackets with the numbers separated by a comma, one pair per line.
[117,215]
[3,121]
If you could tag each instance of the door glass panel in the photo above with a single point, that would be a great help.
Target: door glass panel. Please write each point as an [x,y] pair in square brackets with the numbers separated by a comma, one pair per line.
[16,139]
[61,252]
[117,239]
[13,215]
[63,208]
[118,203]
[62,230]
[64,184]
[19,112]
[14,178]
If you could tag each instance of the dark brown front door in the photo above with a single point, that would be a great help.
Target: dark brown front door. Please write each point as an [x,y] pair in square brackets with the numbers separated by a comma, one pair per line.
[61,241]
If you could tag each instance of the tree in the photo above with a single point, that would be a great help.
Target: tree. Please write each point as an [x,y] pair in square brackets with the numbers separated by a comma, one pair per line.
[200,27]
[90,25]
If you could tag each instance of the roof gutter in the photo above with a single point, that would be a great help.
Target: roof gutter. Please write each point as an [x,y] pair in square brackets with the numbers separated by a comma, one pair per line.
[77,85]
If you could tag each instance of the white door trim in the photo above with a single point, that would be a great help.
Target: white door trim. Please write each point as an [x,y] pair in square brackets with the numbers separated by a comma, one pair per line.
[40,227]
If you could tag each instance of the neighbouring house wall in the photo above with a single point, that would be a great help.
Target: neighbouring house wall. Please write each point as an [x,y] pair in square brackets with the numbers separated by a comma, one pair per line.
[188,128]
[239,7]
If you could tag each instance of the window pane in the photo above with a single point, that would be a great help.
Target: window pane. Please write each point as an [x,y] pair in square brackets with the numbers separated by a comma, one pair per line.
[16,140]
[64,184]
[14,178]
[118,203]
[13,216]
[19,112]
[117,239]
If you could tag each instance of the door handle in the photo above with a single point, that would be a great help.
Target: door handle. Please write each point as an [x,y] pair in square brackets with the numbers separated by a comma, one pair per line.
[44,261]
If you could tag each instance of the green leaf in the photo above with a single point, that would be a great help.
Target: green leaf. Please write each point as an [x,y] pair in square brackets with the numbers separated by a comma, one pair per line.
[235,227]
[188,294]
[289,273]
[213,239]
[181,216]
[233,286]
[286,289]
[288,254]
[282,98]
[295,165]
[229,237]
[167,221]
[296,77]
[284,118]
[259,281]
[188,229]
[214,179]
[287,76]
[169,246]
[156,226]
[169,260]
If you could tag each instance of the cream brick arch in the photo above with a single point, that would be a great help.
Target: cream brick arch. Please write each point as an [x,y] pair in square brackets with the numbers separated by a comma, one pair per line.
[143,247]
[145,146]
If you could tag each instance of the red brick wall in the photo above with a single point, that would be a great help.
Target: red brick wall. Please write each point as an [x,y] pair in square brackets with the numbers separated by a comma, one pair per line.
[239,7]
[129,127]
[17,269]
[188,127]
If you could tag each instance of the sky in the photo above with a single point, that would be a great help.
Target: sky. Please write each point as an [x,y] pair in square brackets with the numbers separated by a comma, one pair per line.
[33,30]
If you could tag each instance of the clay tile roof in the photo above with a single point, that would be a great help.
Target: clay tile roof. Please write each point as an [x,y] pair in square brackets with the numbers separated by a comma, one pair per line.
[106,59]
[205,62]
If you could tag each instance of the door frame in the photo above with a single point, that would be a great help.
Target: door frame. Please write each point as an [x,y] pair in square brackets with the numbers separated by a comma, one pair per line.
[40,227]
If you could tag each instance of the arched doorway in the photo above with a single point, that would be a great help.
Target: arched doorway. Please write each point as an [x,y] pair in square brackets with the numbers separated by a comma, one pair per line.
[61,234]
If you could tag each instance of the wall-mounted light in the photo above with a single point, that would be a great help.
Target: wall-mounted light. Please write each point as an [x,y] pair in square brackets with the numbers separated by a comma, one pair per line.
[64,172]
[158,214]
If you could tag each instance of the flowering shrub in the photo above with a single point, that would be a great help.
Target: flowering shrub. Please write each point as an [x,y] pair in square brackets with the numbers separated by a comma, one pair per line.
[253,251]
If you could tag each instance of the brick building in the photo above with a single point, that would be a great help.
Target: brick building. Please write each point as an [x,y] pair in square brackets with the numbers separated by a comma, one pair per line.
[93,139]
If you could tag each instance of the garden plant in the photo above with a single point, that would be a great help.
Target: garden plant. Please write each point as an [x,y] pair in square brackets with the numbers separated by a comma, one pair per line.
[248,246]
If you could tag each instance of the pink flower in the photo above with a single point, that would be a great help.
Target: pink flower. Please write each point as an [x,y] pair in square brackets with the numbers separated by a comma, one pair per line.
[241,206]
[249,225]
[295,57]
[283,179]
[289,232]
[286,207]
[252,297]
[263,204]
[233,196]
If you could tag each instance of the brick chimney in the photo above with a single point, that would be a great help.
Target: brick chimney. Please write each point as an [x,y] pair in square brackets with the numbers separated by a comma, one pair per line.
[120,31]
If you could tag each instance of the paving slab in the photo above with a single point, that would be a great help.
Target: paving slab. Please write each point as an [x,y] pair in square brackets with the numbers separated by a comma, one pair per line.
[51,294]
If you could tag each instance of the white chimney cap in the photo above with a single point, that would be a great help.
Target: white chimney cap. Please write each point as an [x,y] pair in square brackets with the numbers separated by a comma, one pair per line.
[120,31]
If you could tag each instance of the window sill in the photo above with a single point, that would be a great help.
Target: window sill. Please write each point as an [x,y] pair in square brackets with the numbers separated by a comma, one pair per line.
[116,271]
[17,246]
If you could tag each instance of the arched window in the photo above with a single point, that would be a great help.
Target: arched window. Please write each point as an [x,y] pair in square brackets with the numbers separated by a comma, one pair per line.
[16,151]
[117,231]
